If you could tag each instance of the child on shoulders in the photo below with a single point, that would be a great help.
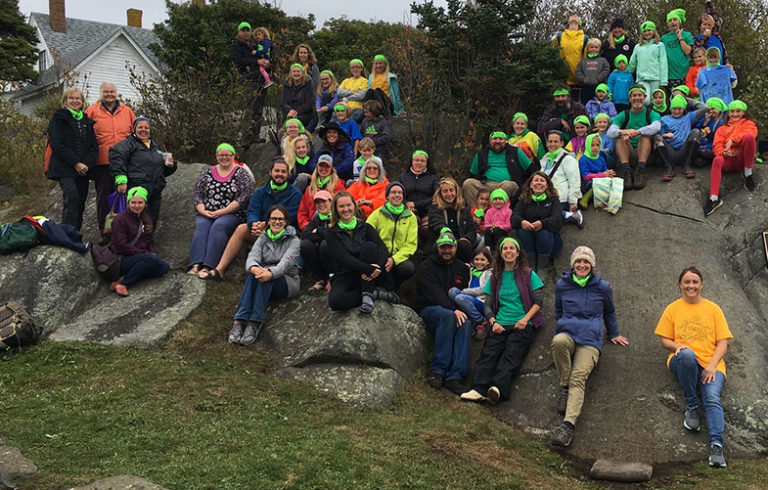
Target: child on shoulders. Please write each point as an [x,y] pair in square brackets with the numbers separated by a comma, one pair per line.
[263,51]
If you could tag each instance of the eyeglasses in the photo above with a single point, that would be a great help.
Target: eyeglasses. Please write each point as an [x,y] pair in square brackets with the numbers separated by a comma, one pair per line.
[276,220]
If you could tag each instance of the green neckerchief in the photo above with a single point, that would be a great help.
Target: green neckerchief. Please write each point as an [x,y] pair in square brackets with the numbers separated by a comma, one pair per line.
[371,181]
[479,212]
[395,210]
[361,159]
[539,198]
[76,114]
[477,273]
[348,227]
[323,181]
[660,108]
[273,236]
[619,39]
[323,217]
[583,281]
[592,55]
[302,160]
[551,156]
[278,188]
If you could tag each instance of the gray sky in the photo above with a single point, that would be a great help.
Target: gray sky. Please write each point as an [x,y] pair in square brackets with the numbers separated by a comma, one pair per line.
[154,10]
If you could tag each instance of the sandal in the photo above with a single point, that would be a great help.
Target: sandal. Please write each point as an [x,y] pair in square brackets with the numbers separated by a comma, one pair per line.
[195,269]
[210,274]
[317,287]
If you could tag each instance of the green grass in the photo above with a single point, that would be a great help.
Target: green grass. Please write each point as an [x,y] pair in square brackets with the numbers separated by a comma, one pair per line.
[199,413]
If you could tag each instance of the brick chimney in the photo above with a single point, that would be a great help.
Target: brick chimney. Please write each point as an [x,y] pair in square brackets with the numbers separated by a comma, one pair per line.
[134,17]
[58,15]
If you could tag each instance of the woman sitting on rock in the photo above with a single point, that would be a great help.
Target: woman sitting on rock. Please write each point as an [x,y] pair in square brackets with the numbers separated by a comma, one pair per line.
[694,331]
[359,258]
[369,190]
[448,210]
[337,144]
[353,88]
[419,183]
[384,87]
[221,196]
[398,228]
[273,273]
[324,178]
[133,238]
[537,219]
[298,159]
[525,139]
[513,309]
[313,241]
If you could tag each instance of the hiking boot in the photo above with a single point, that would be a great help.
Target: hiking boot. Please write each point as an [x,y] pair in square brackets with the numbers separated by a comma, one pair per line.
[251,333]
[388,296]
[692,420]
[493,395]
[367,305]
[562,400]
[639,178]
[562,435]
[237,332]
[455,386]
[710,206]
[435,380]
[749,183]
[577,219]
[716,457]
[472,396]
[624,172]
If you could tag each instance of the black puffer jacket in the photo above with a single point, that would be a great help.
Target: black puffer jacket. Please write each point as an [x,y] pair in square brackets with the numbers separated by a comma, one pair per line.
[143,166]
[420,189]
[71,142]
[300,98]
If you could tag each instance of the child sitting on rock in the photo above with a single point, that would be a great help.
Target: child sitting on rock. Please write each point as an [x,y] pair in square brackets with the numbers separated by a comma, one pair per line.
[471,300]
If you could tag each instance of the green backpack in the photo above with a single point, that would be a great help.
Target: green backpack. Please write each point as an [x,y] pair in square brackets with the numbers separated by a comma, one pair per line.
[17,328]
[17,237]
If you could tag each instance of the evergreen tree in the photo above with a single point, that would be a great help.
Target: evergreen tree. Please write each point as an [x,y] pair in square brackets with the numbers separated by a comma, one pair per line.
[18,41]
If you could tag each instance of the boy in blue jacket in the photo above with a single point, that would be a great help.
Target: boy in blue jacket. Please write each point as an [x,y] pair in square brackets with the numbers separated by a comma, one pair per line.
[619,82]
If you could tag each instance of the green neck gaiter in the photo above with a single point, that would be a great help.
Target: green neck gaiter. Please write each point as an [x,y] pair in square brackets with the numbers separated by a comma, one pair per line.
[348,226]
[275,236]
[302,160]
[619,39]
[395,210]
[583,281]
[553,154]
[539,198]
[591,55]
[323,181]
[660,108]
[371,181]
[278,188]
[323,217]
[76,114]
[477,273]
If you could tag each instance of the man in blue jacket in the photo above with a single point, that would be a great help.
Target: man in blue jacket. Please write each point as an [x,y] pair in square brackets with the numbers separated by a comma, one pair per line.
[583,302]
[276,191]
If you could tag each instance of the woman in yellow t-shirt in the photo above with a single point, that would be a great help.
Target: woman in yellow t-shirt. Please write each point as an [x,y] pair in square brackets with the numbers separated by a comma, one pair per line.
[694,330]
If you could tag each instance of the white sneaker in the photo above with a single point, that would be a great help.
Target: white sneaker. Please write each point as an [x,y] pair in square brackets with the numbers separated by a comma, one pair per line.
[473,396]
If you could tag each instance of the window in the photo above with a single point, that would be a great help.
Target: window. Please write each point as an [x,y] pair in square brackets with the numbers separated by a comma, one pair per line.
[43,61]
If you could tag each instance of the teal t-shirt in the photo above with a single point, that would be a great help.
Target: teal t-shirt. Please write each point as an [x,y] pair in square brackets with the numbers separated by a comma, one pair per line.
[677,61]
[511,309]
[637,120]
[497,165]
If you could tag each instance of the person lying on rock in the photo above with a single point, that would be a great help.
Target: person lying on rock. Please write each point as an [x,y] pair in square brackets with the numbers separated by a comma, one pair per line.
[694,331]
[133,238]
[513,310]
[583,303]
[273,273]
[358,256]
[452,329]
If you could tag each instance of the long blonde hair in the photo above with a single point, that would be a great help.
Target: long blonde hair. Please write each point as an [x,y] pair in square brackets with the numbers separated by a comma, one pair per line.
[289,154]
[656,38]
[437,198]
[332,87]
[330,186]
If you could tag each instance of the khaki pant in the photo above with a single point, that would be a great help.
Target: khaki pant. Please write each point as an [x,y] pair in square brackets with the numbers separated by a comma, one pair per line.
[574,363]
[471,187]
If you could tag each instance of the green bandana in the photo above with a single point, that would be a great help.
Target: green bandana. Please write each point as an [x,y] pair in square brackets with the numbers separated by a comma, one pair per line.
[588,147]
[520,114]
[562,91]
[294,120]
[678,102]
[371,181]
[226,146]
[275,236]
[323,217]
[243,25]
[479,212]
[639,89]
[348,226]
[582,119]
[298,65]
[539,198]
[551,155]
[737,104]
[716,103]
[420,152]
[76,114]
[323,181]
[303,160]
[592,55]
[329,72]
[339,107]
[619,39]
[359,62]
[603,114]
[380,57]
[663,106]
[498,134]
[278,188]
[509,239]
[583,281]
[395,210]
[477,273]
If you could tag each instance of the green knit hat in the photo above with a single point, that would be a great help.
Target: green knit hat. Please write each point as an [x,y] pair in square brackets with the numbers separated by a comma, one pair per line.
[582,119]
[647,26]
[716,103]
[684,89]
[619,59]
[137,191]
[602,87]
[678,14]
[678,102]
[737,105]
[499,193]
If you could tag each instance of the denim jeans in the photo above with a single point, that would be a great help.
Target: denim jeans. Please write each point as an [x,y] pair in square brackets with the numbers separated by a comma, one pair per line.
[543,242]
[256,295]
[452,343]
[210,239]
[469,304]
[688,373]
[137,267]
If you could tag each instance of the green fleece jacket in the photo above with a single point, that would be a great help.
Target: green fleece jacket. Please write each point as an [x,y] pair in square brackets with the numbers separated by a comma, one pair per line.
[399,235]
[649,62]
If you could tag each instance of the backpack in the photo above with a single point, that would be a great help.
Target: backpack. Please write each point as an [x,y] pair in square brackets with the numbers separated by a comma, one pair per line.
[626,117]
[17,237]
[17,328]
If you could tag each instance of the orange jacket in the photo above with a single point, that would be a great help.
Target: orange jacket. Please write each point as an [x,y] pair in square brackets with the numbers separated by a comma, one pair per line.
[690,79]
[110,128]
[735,131]
[375,193]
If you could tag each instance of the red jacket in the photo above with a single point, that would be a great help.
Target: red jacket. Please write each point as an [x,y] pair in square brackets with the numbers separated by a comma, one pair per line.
[110,128]
[735,131]
[307,206]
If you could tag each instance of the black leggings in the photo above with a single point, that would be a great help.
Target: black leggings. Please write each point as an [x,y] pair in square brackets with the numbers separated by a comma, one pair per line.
[312,254]
[348,287]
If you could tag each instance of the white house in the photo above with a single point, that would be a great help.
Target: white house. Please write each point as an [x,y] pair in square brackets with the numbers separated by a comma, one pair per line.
[95,51]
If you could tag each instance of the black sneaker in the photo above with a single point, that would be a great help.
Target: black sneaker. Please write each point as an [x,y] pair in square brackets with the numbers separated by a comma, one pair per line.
[562,435]
[455,386]
[562,401]
[710,206]
[749,183]
[716,457]
[435,381]
[692,420]
[388,296]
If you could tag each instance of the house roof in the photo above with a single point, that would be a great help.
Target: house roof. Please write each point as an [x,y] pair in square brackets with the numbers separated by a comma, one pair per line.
[82,39]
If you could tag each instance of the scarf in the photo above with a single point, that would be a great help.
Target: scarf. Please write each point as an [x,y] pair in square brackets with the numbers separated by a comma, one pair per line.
[619,39]
[78,115]
[395,210]
[274,236]
[302,160]
[551,155]
[539,198]
[583,281]
[323,181]
[371,181]
[278,188]
[348,227]
[477,273]
[323,217]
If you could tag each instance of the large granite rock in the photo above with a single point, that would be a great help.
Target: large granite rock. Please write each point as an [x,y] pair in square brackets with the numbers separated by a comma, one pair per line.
[634,407]
[363,359]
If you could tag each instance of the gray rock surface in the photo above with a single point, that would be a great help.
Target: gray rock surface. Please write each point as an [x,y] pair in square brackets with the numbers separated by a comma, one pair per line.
[13,464]
[122,482]
[604,469]
[634,407]
[363,359]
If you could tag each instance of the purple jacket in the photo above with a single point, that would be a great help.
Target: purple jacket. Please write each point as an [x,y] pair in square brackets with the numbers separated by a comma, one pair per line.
[124,229]
[523,281]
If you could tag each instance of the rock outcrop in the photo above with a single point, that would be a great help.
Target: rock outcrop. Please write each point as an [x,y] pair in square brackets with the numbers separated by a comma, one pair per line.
[13,464]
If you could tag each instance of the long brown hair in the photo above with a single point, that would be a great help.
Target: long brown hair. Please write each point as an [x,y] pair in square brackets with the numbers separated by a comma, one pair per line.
[311,59]
[498,262]
[551,192]
[335,214]
[437,198]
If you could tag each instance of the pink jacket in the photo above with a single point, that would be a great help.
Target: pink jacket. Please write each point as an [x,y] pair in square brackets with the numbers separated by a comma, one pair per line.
[499,217]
